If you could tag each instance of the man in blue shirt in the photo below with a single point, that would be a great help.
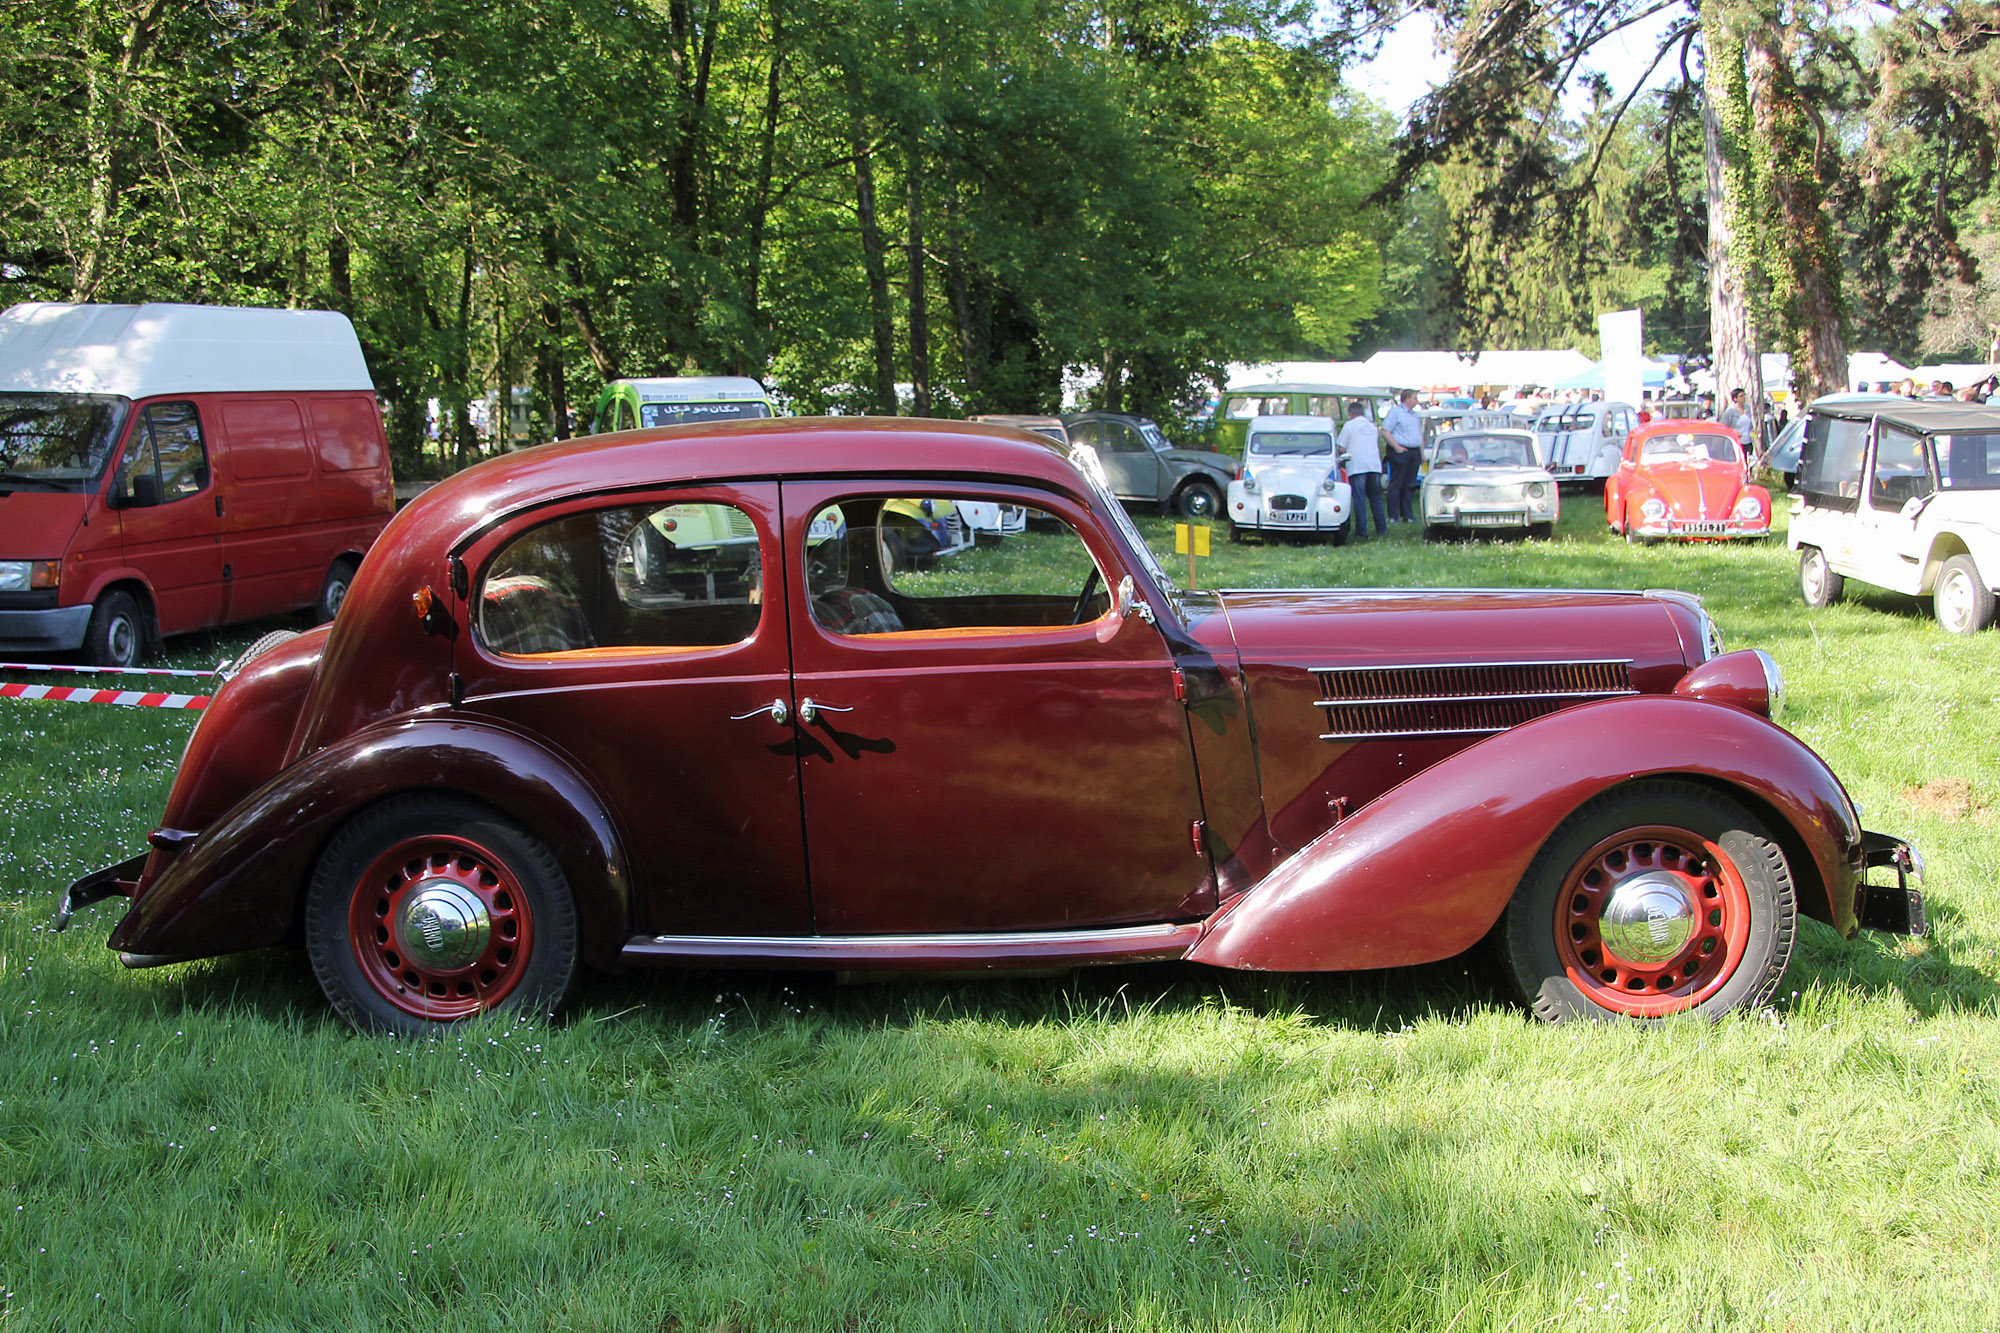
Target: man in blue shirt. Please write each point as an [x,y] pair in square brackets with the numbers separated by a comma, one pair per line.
[1405,432]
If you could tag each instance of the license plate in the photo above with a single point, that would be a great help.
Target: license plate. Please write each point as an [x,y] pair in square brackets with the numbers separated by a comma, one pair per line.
[1298,516]
[1700,527]
[1494,520]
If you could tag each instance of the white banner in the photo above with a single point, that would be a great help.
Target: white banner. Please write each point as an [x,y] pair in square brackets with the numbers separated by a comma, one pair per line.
[1621,337]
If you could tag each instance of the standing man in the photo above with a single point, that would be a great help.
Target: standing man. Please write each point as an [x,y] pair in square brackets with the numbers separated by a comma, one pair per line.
[1736,417]
[1361,445]
[1406,444]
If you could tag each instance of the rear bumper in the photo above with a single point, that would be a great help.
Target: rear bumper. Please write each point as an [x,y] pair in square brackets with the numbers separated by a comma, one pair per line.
[1895,909]
[119,881]
[56,630]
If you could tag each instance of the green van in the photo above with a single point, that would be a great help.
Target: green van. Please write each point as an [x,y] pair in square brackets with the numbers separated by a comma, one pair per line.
[672,400]
[1291,398]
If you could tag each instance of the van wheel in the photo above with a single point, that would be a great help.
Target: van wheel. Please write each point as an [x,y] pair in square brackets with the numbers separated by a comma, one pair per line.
[1963,602]
[1818,584]
[429,909]
[117,633]
[334,591]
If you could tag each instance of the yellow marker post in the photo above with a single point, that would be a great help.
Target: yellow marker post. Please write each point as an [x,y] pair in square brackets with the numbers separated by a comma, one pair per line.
[1191,542]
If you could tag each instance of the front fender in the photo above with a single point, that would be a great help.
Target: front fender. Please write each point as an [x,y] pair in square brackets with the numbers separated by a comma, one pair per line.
[241,883]
[1424,870]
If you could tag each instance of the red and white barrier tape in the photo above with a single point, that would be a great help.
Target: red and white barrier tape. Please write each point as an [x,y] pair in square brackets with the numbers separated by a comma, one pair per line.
[78,694]
[107,671]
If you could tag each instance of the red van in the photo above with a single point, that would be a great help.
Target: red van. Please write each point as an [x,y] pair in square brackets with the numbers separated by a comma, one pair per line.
[166,468]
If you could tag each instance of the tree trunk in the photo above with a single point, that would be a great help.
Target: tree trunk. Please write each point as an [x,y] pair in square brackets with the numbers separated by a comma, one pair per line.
[872,258]
[106,94]
[1732,327]
[1809,305]
[760,208]
[920,329]
[553,385]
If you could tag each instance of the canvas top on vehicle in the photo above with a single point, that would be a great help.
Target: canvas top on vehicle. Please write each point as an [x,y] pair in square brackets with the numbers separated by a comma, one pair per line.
[144,351]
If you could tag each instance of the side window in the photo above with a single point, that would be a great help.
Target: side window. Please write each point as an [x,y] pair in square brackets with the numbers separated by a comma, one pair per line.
[911,563]
[1830,462]
[1324,405]
[1085,432]
[1238,408]
[167,458]
[1900,473]
[1120,438]
[637,576]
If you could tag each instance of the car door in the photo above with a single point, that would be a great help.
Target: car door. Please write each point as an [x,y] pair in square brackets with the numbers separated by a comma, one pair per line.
[170,519]
[1886,546]
[1134,469]
[633,635]
[983,745]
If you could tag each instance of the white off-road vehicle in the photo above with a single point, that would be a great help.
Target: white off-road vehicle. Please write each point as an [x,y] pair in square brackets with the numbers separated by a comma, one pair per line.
[1903,495]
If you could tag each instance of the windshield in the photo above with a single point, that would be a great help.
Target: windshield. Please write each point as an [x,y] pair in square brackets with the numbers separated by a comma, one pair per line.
[1293,443]
[57,441]
[1478,449]
[1969,462]
[1086,461]
[1154,437]
[1688,446]
[673,414]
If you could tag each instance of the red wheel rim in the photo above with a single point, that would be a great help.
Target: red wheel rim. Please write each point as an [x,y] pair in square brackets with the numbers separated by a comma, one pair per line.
[433,971]
[1719,905]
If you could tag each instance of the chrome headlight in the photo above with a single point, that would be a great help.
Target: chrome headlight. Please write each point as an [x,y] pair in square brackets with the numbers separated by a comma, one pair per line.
[1749,507]
[13,575]
[1249,484]
[1654,509]
[21,575]
[1448,495]
[1537,490]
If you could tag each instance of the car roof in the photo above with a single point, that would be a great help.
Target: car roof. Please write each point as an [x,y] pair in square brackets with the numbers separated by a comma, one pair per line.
[141,351]
[1300,422]
[765,448]
[1940,418]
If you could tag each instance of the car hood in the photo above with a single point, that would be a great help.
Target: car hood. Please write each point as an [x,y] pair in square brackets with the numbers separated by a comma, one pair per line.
[38,525]
[1222,463]
[1695,490]
[1290,471]
[1487,476]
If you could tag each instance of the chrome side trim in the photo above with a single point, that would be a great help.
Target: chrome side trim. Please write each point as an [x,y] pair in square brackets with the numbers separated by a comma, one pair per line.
[959,939]
[1473,698]
[999,949]
[1434,666]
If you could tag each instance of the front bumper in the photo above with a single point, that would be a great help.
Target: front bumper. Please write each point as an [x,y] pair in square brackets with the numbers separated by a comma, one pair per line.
[55,630]
[1320,514]
[119,881]
[1706,529]
[1480,519]
[1895,909]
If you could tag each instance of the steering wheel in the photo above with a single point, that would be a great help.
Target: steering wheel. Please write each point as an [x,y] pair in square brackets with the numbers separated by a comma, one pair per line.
[1082,611]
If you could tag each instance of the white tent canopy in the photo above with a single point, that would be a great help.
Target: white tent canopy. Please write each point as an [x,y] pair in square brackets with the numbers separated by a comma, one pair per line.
[1248,376]
[1508,368]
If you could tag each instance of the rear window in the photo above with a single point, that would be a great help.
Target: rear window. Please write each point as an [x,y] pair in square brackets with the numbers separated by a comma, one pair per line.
[675,414]
[1969,462]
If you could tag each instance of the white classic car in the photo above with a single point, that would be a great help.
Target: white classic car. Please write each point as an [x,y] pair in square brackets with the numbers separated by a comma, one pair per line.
[1581,442]
[1487,477]
[1290,481]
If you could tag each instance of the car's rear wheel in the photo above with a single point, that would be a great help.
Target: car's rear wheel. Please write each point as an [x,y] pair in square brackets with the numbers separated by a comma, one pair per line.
[116,635]
[334,590]
[1818,584]
[430,909]
[1963,602]
[1199,499]
[1654,899]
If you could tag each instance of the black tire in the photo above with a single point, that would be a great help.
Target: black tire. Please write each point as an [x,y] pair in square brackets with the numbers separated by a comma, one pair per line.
[1541,532]
[333,592]
[1818,584]
[1237,535]
[373,880]
[263,645]
[1343,532]
[1681,858]
[1961,600]
[1198,499]
[116,635]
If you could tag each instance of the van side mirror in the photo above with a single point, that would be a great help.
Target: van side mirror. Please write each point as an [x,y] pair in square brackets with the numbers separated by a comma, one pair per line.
[145,491]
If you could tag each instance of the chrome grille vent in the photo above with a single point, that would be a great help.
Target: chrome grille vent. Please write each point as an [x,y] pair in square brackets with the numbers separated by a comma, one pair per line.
[1360,703]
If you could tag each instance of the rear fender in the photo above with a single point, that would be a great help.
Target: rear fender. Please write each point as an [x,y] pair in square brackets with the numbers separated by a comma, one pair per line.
[1424,870]
[242,881]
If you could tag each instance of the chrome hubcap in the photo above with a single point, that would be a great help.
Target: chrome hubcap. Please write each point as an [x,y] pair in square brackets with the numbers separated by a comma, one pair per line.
[442,924]
[1647,919]
[1956,600]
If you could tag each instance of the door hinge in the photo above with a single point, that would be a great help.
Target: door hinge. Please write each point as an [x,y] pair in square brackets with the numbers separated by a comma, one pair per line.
[459,582]
[1180,685]
[455,689]
[1198,835]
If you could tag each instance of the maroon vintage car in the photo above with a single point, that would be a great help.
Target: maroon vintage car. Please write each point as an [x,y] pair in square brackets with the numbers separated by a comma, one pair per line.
[671,698]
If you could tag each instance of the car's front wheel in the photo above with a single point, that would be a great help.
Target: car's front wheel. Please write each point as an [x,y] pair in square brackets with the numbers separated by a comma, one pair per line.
[333,591]
[1199,499]
[1818,584]
[1653,899]
[429,909]
[116,635]
[1963,602]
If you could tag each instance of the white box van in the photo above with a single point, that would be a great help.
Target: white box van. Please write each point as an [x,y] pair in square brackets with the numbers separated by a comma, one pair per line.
[166,468]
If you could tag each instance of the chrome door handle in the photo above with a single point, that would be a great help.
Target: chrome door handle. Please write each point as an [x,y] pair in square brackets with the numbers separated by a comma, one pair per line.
[779,712]
[810,709]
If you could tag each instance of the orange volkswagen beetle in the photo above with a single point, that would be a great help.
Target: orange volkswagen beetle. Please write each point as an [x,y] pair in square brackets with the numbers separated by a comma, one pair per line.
[1688,480]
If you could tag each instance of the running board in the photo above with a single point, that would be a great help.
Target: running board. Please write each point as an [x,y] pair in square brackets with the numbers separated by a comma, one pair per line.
[919,953]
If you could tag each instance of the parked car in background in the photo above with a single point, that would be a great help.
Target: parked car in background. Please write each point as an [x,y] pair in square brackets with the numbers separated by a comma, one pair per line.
[1292,398]
[166,468]
[1145,469]
[1903,495]
[1486,475]
[675,400]
[1291,481]
[701,763]
[1686,480]
[1682,409]
[1581,442]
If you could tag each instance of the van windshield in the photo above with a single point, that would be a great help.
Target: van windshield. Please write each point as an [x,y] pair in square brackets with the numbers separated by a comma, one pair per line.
[57,441]
[1298,443]
[673,414]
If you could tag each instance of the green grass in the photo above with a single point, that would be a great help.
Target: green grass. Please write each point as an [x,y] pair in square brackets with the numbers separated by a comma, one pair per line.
[1133,1148]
